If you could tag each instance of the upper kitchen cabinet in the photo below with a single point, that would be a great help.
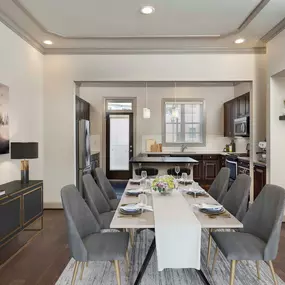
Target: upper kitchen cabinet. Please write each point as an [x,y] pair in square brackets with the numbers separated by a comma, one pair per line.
[82,109]
[229,116]
[236,108]
[242,105]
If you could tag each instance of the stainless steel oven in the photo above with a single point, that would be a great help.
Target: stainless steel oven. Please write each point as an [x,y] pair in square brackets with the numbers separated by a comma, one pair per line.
[241,127]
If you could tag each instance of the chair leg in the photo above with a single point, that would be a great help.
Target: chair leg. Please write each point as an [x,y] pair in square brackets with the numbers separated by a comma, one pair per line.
[131,237]
[82,270]
[127,262]
[118,274]
[75,272]
[215,259]
[257,269]
[272,272]
[209,247]
[233,272]
[86,264]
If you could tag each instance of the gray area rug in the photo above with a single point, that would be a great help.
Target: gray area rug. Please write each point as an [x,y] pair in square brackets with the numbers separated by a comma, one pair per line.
[103,272]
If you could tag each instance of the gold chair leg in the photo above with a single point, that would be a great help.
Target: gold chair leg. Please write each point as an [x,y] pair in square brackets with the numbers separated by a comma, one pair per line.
[75,272]
[118,274]
[272,272]
[257,269]
[215,259]
[127,263]
[233,272]
[82,270]
[131,237]
[209,247]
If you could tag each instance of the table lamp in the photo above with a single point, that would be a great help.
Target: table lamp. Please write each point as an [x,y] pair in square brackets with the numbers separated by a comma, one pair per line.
[24,150]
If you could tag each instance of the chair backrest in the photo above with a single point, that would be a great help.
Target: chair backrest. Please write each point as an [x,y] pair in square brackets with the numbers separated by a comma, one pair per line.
[80,221]
[94,197]
[105,184]
[219,187]
[236,199]
[264,218]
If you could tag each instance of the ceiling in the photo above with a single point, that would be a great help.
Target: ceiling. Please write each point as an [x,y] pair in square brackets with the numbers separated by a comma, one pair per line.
[112,26]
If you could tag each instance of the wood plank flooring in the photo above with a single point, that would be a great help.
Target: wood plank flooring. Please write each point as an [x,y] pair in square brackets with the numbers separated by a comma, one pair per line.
[44,258]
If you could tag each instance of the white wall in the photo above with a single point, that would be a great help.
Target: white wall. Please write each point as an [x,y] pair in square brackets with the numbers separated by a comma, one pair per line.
[61,70]
[21,69]
[152,128]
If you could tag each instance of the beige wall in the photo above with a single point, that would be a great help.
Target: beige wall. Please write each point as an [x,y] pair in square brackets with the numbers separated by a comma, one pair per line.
[21,69]
[151,128]
[60,72]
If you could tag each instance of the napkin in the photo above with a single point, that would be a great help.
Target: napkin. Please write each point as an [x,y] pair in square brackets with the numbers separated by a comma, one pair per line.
[210,206]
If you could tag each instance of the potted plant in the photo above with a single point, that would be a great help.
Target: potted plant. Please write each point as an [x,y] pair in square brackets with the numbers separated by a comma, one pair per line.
[164,184]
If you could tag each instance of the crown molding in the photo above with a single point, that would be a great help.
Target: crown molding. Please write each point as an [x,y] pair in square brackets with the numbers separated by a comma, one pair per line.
[274,31]
[257,9]
[106,51]
[12,25]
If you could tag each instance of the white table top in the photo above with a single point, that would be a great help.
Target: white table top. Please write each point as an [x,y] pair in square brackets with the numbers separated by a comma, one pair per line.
[146,219]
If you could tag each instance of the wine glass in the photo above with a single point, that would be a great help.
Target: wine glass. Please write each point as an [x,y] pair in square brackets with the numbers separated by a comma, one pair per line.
[184,177]
[177,170]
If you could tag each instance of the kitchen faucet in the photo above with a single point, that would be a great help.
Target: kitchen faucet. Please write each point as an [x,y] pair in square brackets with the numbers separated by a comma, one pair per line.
[183,147]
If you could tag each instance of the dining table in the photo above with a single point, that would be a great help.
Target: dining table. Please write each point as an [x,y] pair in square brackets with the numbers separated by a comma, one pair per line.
[146,220]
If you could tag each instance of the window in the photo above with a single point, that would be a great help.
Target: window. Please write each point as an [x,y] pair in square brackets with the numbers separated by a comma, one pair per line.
[183,122]
[119,105]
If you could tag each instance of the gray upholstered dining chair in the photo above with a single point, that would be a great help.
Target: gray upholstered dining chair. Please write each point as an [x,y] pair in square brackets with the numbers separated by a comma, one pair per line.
[259,239]
[235,201]
[106,188]
[86,243]
[97,203]
[219,187]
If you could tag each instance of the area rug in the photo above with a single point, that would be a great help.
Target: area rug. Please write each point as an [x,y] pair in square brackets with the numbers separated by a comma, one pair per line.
[98,273]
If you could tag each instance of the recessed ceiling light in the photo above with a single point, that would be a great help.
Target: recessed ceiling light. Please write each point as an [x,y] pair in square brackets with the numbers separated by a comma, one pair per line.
[48,42]
[146,10]
[239,41]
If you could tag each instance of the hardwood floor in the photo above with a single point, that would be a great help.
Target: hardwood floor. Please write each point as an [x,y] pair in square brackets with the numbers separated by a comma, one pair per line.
[44,258]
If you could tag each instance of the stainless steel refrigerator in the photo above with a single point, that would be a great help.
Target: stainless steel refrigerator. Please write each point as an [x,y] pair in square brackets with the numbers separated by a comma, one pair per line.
[83,152]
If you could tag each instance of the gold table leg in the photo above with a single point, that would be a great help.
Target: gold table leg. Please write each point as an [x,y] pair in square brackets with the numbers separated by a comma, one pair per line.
[209,247]
[215,259]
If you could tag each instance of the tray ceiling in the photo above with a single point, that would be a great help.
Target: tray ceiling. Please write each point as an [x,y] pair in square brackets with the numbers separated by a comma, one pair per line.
[89,26]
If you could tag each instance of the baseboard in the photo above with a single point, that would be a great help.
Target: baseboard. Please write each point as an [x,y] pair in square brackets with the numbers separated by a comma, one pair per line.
[50,205]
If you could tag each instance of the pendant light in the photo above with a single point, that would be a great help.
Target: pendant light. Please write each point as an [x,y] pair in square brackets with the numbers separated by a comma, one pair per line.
[174,111]
[146,111]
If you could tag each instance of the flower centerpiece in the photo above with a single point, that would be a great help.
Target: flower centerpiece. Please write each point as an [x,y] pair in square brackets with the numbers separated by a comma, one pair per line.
[164,184]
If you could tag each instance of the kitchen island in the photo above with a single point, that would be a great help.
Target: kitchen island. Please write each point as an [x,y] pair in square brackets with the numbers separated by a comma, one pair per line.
[163,163]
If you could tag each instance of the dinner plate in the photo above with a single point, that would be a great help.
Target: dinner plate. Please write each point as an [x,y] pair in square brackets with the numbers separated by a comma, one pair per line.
[213,211]
[130,210]
[134,192]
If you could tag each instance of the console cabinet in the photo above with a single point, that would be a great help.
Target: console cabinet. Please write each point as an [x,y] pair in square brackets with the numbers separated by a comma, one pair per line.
[21,205]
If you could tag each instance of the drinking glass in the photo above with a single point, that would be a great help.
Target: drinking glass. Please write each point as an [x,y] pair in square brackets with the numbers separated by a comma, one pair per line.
[177,170]
[143,181]
[143,200]
[184,177]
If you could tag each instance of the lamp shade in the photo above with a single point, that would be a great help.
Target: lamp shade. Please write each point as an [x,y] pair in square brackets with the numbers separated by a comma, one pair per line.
[24,150]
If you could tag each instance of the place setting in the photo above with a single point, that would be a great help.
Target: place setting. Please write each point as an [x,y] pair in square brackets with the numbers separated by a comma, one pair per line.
[212,210]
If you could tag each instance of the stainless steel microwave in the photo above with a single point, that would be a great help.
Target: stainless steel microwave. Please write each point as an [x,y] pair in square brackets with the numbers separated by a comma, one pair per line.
[241,127]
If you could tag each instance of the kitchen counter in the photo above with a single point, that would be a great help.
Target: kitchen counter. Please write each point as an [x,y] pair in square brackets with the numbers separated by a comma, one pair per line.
[260,163]
[244,158]
[189,153]
[142,159]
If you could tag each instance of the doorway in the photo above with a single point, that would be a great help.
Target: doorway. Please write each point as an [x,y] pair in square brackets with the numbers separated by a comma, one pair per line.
[119,139]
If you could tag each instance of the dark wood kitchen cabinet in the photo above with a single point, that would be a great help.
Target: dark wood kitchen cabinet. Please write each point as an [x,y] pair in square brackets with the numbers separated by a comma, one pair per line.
[242,105]
[233,109]
[211,169]
[82,109]
[229,115]
[259,178]
[198,168]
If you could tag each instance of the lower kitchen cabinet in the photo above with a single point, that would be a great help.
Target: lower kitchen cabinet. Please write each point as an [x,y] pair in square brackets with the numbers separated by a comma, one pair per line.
[259,178]
[211,169]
